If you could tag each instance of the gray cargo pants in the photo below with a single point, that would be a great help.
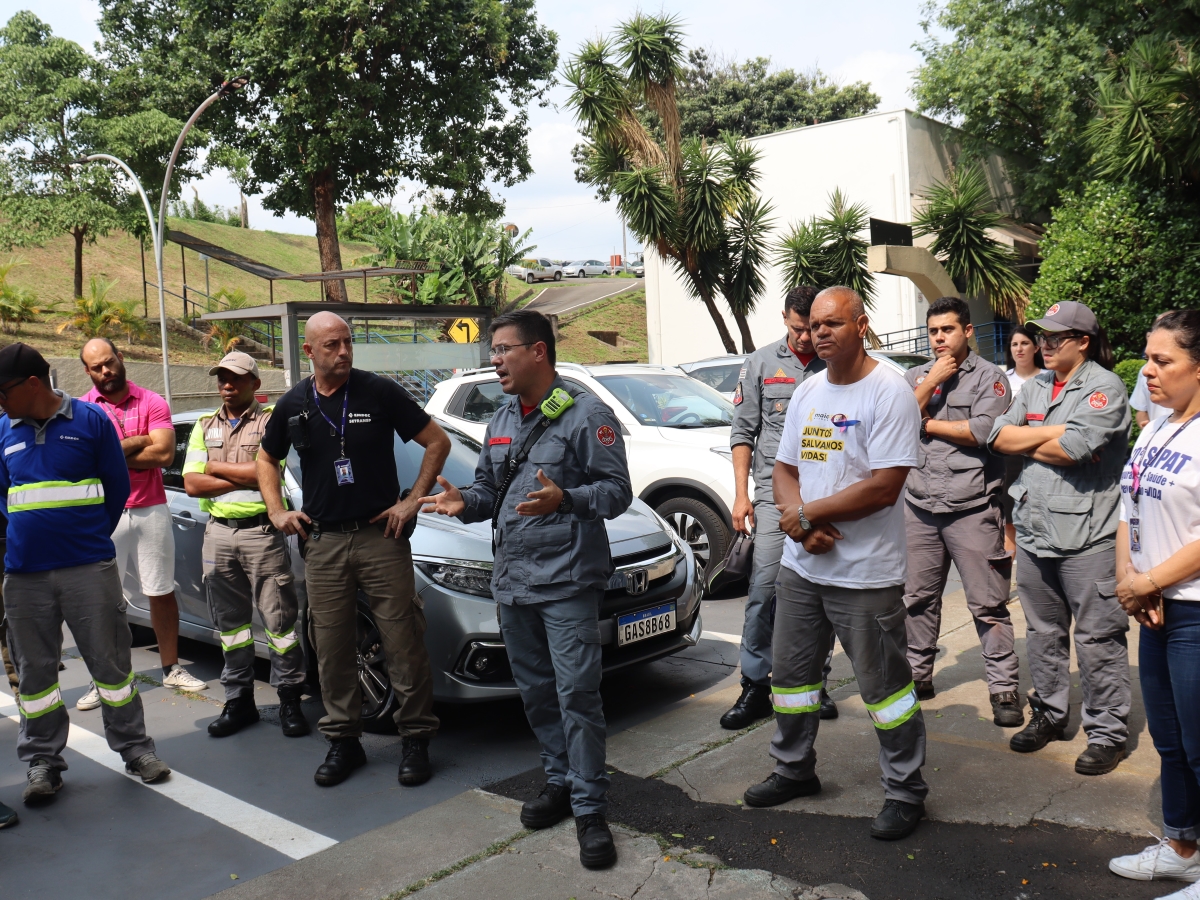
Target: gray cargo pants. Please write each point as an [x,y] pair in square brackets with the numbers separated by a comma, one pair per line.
[757,627]
[974,540]
[89,598]
[554,650]
[1083,588]
[870,625]
[244,568]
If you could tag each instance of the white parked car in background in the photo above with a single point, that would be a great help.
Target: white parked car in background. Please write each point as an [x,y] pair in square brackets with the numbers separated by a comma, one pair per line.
[531,270]
[582,268]
[676,432]
[721,372]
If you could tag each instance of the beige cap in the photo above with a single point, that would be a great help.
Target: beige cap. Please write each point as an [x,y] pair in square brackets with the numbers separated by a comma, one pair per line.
[239,362]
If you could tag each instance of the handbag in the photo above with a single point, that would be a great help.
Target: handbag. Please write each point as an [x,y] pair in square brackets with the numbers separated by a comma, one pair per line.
[735,566]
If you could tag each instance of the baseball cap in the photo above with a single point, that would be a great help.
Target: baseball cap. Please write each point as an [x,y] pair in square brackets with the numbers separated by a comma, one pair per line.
[1068,316]
[238,362]
[22,361]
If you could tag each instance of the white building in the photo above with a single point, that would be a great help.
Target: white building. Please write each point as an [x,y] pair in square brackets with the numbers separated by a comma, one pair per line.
[885,160]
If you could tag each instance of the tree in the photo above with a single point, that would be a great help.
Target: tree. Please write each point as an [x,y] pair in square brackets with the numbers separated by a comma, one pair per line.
[829,250]
[361,218]
[348,97]
[958,212]
[692,199]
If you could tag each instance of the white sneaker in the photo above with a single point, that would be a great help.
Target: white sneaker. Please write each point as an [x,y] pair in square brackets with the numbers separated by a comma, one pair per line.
[183,680]
[1158,861]
[1191,892]
[90,700]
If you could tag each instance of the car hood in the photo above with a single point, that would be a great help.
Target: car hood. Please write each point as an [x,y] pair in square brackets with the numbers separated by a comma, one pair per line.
[697,437]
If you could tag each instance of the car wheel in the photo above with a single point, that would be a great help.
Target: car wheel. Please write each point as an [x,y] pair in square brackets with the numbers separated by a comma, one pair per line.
[581,274]
[378,698]
[697,523]
[529,278]
[558,275]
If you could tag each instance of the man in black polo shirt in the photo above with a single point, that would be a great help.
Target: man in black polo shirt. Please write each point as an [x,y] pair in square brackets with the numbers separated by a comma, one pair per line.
[343,423]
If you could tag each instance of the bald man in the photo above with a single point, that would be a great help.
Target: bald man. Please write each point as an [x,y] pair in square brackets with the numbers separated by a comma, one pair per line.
[354,527]
[850,436]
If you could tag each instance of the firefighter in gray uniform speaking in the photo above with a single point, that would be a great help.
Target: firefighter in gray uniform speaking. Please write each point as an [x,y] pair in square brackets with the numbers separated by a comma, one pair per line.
[1071,423]
[952,509]
[551,470]
[768,379]
[246,559]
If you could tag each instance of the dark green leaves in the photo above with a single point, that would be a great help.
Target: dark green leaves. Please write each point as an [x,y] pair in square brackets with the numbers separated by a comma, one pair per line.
[829,250]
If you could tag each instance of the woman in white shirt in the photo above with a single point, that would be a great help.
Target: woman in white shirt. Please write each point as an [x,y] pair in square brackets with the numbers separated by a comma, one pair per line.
[1158,572]
[1024,362]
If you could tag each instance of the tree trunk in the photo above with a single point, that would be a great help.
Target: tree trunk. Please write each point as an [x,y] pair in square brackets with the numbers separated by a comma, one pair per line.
[245,214]
[744,328]
[718,319]
[327,237]
[78,232]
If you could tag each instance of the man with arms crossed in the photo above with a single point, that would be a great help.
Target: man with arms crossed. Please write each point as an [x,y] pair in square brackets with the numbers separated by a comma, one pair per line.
[144,540]
[850,439]
[768,379]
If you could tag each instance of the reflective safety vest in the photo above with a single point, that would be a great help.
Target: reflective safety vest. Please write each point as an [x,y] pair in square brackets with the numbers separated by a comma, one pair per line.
[213,439]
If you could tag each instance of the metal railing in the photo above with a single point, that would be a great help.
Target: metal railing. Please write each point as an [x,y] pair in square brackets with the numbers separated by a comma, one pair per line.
[991,339]
[419,382]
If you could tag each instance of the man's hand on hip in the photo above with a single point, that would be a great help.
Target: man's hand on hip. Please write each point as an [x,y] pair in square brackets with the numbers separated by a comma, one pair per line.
[397,515]
[448,503]
[291,522]
[541,502]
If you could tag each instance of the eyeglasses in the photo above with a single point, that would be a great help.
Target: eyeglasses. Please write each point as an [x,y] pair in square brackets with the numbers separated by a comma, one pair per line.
[505,349]
[4,389]
[1053,341]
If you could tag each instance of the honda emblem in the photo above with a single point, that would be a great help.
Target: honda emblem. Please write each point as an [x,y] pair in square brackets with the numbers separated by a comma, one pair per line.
[636,582]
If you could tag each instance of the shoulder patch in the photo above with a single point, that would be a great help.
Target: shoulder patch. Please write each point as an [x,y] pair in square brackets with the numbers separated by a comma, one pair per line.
[606,436]
[998,389]
[1098,400]
[921,379]
[737,395]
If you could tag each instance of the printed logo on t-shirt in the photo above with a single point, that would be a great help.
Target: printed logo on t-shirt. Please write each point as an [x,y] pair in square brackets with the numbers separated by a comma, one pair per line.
[817,442]
[606,436]
[1052,310]
[998,389]
[840,421]
[359,418]
[1098,400]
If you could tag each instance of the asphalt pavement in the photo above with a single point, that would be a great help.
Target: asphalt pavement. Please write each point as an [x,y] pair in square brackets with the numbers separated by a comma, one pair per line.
[562,297]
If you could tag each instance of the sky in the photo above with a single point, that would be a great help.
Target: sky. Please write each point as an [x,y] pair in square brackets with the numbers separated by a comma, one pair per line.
[867,40]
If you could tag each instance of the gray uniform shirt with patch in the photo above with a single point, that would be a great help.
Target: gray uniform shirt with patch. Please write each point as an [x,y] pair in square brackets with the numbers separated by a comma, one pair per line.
[555,556]
[1063,511]
[949,477]
[767,381]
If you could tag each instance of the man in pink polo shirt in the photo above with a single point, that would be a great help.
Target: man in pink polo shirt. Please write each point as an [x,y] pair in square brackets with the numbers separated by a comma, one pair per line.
[144,540]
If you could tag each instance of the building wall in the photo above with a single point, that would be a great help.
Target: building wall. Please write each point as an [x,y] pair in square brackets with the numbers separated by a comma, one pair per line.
[885,160]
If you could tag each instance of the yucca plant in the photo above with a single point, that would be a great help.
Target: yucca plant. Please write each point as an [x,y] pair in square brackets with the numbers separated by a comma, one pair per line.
[226,333]
[95,315]
[693,201]
[829,250]
[17,305]
[958,212]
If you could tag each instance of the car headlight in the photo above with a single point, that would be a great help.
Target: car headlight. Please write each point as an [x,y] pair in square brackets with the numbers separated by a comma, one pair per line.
[723,451]
[465,577]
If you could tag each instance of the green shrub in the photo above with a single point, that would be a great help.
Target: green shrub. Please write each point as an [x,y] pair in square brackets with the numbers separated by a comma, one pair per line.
[1128,370]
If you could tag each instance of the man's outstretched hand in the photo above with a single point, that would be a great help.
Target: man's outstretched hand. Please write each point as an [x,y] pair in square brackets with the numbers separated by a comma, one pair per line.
[543,501]
[448,503]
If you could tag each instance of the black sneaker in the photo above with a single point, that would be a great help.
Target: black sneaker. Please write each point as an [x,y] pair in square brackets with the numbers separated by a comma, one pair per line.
[897,820]
[345,755]
[925,690]
[780,789]
[1006,709]
[414,761]
[236,715]
[829,709]
[1038,733]
[1100,759]
[147,767]
[44,782]
[552,805]
[752,705]
[596,847]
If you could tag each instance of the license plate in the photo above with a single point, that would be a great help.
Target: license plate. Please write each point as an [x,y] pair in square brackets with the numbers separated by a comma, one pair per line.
[646,623]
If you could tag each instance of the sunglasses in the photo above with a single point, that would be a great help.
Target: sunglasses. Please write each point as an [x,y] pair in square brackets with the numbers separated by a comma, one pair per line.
[1053,341]
[5,388]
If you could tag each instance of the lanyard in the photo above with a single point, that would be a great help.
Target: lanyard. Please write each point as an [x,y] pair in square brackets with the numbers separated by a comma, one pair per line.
[1135,488]
[333,429]
[120,422]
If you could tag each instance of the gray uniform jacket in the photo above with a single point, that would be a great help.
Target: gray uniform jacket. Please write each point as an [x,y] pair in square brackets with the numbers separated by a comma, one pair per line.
[1063,511]
[951,478]
[555,556]
[767,381]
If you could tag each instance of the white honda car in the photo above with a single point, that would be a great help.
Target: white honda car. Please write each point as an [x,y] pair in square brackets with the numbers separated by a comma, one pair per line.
[676,431]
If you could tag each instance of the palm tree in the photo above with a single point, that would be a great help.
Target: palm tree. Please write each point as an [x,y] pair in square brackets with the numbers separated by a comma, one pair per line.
[97,316]
[958,212]
[693,201]
[17,305]
[827,251]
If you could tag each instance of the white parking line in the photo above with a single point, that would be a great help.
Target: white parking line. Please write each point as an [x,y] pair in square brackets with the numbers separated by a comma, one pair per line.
[273,831]
[718,636]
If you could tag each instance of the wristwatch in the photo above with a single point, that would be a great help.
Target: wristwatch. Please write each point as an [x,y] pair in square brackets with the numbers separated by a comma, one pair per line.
[924,429]
[566,505]
[804,523]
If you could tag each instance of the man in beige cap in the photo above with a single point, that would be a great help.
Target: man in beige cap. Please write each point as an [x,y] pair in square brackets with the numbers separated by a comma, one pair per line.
[246,559]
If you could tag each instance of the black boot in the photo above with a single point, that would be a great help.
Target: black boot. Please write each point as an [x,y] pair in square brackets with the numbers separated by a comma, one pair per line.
[780,789]
[596,847]
[344,756]
[414,761]
[291,717]
[829,709]
[1006,709]
[552,805]
[754,704]
[1039,732]
[925,690]
[896,820]
[237,714]
[1100,759]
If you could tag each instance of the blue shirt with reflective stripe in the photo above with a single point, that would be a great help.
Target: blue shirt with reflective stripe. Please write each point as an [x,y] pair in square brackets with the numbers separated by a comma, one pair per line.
[76,444]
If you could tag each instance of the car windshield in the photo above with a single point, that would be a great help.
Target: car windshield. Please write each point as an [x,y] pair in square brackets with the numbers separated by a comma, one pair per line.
[907,362]
[723,378]
[669,401]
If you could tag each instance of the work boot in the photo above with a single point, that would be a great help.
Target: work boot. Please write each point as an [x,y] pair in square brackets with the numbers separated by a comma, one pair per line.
[344,756]
[552,805]
[291,716]
[1099,759]
[148,767]
[44,782]
[8,816]
[1038,733]
[897,820]
[925,690]
[780,789]
[596,847]
[1006,709]
[752,705]
[414,761]
[236,715]
[828,707]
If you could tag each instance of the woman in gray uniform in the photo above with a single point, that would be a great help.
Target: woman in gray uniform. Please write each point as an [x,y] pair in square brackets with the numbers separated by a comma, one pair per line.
[1071,424]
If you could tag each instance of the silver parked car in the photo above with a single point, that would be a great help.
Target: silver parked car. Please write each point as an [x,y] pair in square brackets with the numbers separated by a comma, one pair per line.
[655,573]
[582,268]
[721,372]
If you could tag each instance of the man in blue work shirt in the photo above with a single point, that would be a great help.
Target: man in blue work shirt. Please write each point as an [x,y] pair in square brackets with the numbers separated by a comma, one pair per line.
[562,461]
[66,482]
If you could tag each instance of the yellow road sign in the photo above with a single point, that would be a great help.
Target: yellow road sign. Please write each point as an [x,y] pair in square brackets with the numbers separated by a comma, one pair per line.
[464,331]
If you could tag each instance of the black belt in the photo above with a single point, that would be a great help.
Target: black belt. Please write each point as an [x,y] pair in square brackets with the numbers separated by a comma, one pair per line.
[248,522]
[348,525]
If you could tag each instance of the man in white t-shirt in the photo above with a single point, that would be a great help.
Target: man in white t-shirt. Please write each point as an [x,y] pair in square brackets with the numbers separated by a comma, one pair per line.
[852,433]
